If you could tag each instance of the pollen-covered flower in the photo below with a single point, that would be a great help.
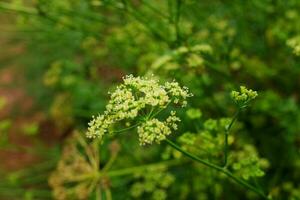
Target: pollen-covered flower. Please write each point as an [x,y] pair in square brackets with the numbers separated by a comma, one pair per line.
[140,99]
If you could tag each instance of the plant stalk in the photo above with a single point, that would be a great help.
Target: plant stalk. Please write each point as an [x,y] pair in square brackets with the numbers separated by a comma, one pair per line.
[218,168]
[226,134]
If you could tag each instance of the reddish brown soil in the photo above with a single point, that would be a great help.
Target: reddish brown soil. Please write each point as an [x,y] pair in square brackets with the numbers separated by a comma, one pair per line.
[19,109]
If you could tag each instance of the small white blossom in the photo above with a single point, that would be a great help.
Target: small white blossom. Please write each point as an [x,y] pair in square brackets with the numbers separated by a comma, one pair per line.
[98,126]
[153,131]
[179,94]
[172,120]
[137,94]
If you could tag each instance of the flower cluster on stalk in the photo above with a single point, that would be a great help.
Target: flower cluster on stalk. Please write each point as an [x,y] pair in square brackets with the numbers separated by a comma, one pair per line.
[244,96]
[141,99]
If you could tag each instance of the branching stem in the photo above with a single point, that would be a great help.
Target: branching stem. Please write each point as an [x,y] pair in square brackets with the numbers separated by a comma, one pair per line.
[218,168]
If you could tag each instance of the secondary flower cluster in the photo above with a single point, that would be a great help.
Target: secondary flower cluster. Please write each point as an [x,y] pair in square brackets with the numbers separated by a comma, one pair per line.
[138,94]
[68,180]
[294,43]
[244,96]
[154,130]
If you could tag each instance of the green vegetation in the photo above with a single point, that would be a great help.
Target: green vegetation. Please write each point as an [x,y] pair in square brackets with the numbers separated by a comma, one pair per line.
[149,99]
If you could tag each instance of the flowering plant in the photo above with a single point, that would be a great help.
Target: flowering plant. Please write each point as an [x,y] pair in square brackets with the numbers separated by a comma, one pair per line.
[140,100]
[205,150]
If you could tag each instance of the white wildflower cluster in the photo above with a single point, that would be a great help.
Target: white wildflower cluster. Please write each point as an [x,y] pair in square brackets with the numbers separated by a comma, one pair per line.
[244,96]
[172,120]
[98,126]
[133,96]
[155,131]
[179,94]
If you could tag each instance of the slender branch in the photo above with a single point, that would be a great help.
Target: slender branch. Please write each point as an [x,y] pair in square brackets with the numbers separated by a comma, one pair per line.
[24,10]
[170,11]
[139,17]
[72,13]
[98,193]
[226,134]
[126,129]
[108,195]
[53,17]
[218,168]
[110,162]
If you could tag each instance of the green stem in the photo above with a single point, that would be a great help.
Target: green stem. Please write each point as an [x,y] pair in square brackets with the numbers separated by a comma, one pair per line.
[108,195]
[126,129]
[156,113]
[98,193]
[218,168]
[150,113]
[110,162]
[139,17]
[53,18]
[20,9]
[227,130]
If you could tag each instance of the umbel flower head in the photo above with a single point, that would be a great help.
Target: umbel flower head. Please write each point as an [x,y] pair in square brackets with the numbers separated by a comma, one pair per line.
[154,130]
[244,96]
[78,174]
[141,99]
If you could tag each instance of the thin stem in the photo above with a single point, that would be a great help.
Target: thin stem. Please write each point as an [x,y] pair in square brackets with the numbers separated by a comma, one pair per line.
[53,18]
[98,193]
[108,195]
[157,112]
[150,113]
[226,134]
[139,17]
[126,129]
[110,161]
[20,9]
[33,11]
[170,11]
[218,168]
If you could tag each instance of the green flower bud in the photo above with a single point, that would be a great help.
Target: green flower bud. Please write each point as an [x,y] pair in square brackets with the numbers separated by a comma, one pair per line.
[244,96]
